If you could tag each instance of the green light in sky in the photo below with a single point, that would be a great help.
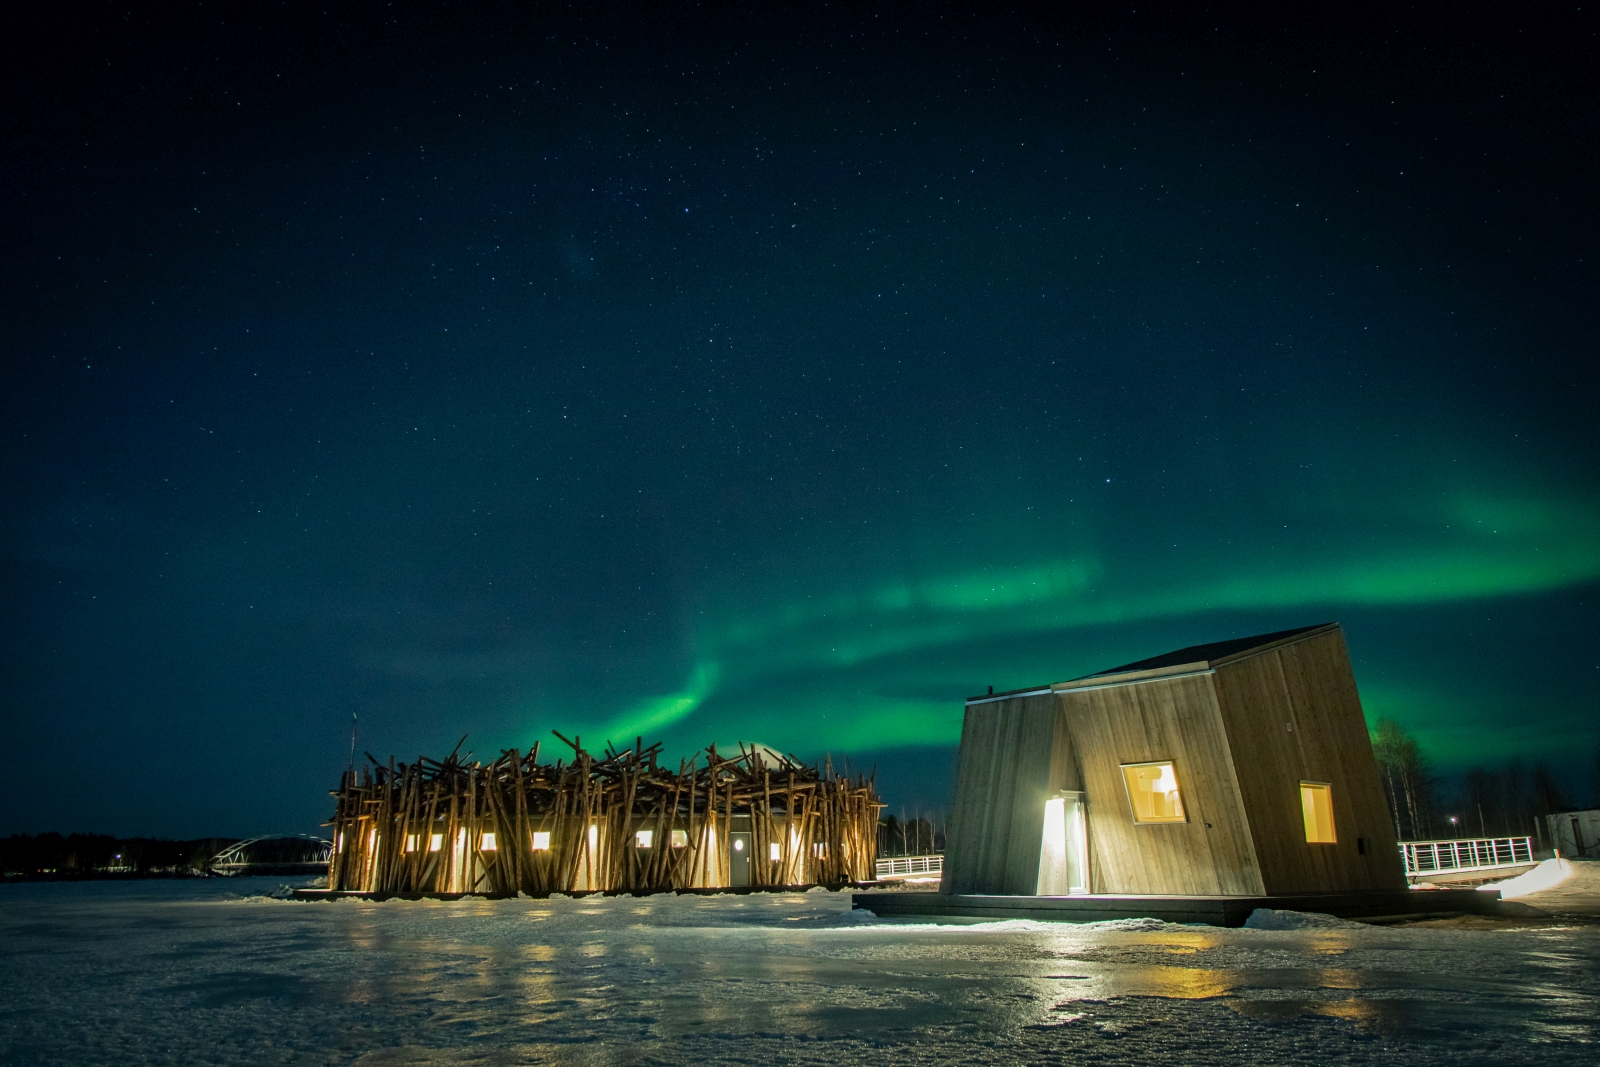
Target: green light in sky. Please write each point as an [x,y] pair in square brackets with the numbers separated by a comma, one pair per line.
[846,665]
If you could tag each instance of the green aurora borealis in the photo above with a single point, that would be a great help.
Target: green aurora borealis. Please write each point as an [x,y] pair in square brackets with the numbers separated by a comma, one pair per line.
[770,658]
[778,381]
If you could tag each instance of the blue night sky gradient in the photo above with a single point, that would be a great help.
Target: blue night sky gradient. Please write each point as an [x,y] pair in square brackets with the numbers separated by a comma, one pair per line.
[775,378]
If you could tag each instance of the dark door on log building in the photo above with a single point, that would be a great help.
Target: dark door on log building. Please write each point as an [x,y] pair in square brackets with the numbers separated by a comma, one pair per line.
[739,845]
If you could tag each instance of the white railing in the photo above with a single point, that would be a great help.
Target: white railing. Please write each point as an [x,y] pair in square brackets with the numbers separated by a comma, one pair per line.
[909,866]
[1467,854]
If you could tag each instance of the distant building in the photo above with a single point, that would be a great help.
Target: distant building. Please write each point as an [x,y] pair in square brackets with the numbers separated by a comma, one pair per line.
[1240,768]
[1576,833]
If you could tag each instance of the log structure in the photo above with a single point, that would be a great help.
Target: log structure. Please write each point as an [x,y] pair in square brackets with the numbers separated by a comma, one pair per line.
[619,822]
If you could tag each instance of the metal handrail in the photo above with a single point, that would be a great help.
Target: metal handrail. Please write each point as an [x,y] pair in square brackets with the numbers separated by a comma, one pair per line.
[905,866]
[1466,854]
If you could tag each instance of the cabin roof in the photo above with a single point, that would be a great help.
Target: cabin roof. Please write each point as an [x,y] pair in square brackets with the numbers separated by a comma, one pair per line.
[1199,657]
[1209,654]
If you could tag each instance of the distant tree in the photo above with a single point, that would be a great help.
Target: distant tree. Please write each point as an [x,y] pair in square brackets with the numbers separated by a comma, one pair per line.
[1407,781]
[1483,789]
[1594,802]
[1519,814]
[1550,797]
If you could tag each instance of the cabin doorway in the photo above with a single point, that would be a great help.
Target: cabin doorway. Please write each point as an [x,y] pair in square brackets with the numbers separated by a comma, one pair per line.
[1064,850]
[739,845]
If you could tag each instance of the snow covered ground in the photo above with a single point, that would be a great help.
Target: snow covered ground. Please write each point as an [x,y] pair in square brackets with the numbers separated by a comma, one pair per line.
[216,972]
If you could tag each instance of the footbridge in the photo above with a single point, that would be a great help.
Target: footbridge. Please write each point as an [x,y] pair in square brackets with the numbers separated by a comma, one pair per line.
[274,854]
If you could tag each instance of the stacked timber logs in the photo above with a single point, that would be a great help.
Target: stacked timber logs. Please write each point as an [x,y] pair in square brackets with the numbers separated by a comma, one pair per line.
[619,823]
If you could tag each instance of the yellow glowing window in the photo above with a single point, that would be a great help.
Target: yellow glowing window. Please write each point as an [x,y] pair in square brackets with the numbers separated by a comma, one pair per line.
[644,838]
[541,840]
[411,842]
[487,843]
[775,852]
[680,839]
[1153,792]
[435,842]
[1316,803]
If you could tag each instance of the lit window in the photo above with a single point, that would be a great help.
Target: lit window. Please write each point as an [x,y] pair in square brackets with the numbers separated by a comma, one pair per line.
[1316,803]
[819,850]
[1153,792]
[411,842]
[435,842]
[487,844]
[680,839]
[775,852]
[594,838]
[644,838]
[541,840]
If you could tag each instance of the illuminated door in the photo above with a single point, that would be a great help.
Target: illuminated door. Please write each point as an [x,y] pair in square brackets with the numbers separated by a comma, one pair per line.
[739,845]
[1064,851]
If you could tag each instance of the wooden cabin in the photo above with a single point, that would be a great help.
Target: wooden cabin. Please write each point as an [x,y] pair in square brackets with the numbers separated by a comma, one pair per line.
[620,822]
[1240,768]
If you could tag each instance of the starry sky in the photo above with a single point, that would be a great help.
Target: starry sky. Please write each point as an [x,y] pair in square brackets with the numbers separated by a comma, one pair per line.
[780,377]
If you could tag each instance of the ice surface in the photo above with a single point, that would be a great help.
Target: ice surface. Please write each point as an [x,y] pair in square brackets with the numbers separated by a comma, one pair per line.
[220,972]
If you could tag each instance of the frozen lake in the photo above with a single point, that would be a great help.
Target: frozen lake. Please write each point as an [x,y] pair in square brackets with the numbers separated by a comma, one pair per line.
[204,972]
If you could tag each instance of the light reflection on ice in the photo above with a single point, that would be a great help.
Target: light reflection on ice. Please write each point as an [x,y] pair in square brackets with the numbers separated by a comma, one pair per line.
[181,972]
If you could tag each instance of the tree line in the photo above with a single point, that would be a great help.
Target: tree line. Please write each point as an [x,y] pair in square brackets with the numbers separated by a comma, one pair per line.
[1509,800]
[918,835]
[54,855]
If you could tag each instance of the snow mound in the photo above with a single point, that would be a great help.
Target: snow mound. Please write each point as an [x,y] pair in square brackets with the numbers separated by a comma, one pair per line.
[1006,926]
[1126,924]
[1547,875]
[1271,919]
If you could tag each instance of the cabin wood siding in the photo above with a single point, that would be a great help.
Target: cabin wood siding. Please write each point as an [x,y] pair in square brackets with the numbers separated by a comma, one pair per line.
[1293,714]
[1173,719]
[1003,777]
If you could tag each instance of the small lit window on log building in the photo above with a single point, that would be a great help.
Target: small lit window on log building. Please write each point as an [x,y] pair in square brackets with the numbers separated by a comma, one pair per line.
[541,840]
[1153,792]
[1316,802]
[487,844]
[644,838]
[435,842]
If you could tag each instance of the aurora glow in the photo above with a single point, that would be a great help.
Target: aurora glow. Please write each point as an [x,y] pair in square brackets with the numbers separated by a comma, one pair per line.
[700,380]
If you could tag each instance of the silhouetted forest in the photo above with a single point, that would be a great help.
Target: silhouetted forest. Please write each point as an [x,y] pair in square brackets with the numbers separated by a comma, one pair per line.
[55,855]
[1506,800]
[916,836]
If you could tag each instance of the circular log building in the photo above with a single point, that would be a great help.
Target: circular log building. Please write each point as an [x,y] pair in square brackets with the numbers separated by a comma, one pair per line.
[617,823]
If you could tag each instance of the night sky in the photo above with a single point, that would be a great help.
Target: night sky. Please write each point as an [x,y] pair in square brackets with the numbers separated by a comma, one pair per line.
[780,377]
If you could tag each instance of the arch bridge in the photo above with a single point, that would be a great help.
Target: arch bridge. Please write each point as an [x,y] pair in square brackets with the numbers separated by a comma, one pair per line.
[274,854]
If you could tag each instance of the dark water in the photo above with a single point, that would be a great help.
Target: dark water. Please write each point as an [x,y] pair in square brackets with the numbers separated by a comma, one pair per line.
[210,972]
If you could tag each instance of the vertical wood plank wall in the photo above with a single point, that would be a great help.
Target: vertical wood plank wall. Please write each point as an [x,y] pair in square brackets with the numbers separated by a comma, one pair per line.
[1292,713]
[1161,719]
[1002,781]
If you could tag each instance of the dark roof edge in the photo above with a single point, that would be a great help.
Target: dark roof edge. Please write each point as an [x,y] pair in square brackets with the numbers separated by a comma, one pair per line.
[1218,652]
[1211,655]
